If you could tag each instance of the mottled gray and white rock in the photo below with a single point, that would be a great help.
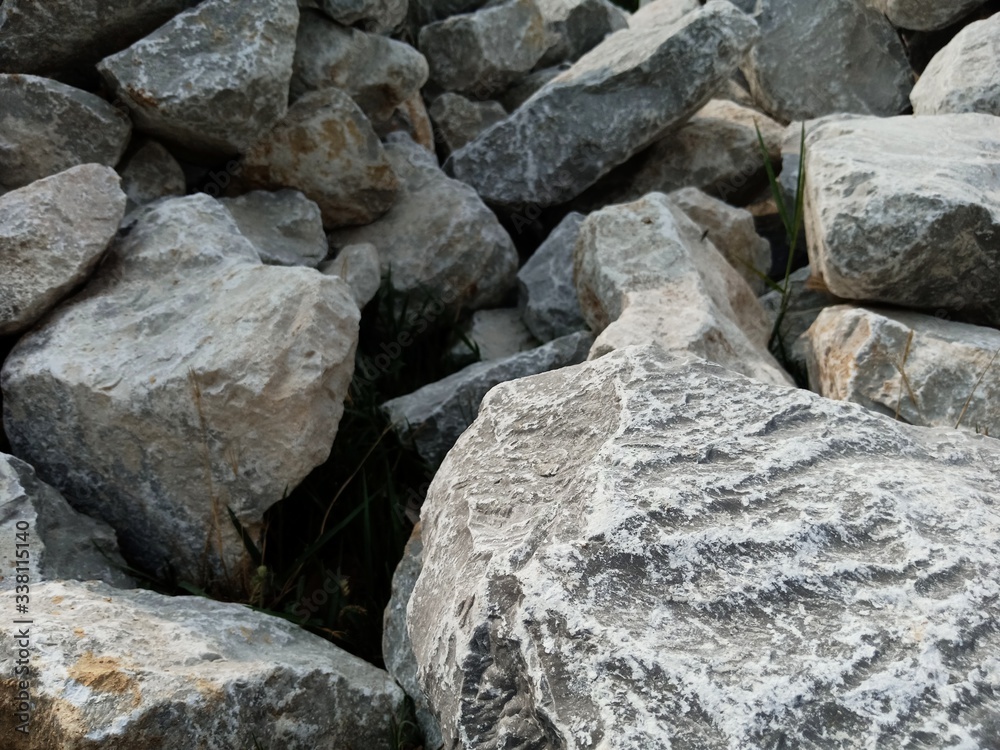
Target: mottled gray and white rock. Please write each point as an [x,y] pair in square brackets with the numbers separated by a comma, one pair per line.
[493,334]
[285,227]
[47,127]
[805,303]
[136,669]
[645,552]
[325,147]
[791,157]
[433,417]
[439,238]
[906,210]
[186,378]
[616,100]
[806,64]
[459,120]
[575,27]
[359,266]
[378,16]
[547,295]
[483,52]
[54,541]
[52,234]
[661,12]
[926,370]
[151,172]
[925,15]
[965,75]
[646,273]
[732,232]
[378,72]
[214,78]
[46,37]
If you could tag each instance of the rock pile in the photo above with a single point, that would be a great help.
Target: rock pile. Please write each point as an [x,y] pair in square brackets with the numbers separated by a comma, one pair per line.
[640,533]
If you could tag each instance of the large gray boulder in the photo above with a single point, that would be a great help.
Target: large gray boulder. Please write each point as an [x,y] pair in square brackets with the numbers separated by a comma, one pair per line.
[925,15]
[54,541]
[646,273]
[284,226]
[46,37]
[47,127]
[807,65]
[133,670]
[214,78]
[645,552]
[617,99]
[965,75]
[187,378]
[52,235]
[906,210]
[438,239]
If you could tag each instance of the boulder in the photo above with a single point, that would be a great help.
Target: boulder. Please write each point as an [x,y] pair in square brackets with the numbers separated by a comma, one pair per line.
[965,75]
[186,379]
[55,35]
[135,670]
[645,273]
[358,265]
[213,79]
[925,15]
[575,27]
[150,173]
[925,370]
[805,302]
[483,52]
[906,211]
[433,417]
[806,64]
[47,127]
[439,239]
[492,334]
[325,147]
[52,235]
[650,552]
[616,100]
[43,539]
[285,227]
[378,16]
[378,72]
[459,120]
[547,295]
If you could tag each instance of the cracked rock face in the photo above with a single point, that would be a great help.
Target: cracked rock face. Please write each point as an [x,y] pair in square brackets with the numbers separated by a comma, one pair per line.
[648,552]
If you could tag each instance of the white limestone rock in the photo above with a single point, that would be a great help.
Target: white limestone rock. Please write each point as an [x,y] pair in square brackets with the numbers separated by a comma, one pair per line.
[965,75]
[906,211]
[359,266]
[645,552]
[136,670]
[52,235]
[661,12]
[284,226]
[151,173]
[927,370]
[214,78]
[616,100]
[187,378]
[645,273]
[47,127]
[492,334]
[925,15]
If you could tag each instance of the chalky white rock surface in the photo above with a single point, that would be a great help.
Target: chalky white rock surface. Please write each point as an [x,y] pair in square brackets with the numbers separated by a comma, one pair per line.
[136,670]
[494,334]
[645,552]
[284,226]
[186,378]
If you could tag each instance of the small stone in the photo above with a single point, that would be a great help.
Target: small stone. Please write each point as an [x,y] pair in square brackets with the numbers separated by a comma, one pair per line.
[378,16]
[359,266]
[661,13]
[575,27]
[284,226]
[525,88]
[411,118]
[150,173]
[492,334]
[460,120]
[805,303]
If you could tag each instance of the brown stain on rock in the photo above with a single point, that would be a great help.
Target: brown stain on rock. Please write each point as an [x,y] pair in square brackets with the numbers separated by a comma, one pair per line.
[104,674]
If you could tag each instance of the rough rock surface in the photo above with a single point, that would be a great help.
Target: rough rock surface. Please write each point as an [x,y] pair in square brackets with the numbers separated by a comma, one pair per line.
[483,52]
[493,334]
[379,73]
[326,148]
[459,120]
[214,78]
[60,543]
[642,552]
[926,370]
[526,87]
[45,37]
[805,303]
[284,226]
[151,173]
[575,27]
[136,669]
[378,16]
[433,417]
[52,235]
[547,294]
[661,12]
[411,118]
[187,377]
[906,210]
[645,273]
[965,75]
[359,266]
[617,99]
[806,63]
[47,127]
[925,15]
[439,237]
